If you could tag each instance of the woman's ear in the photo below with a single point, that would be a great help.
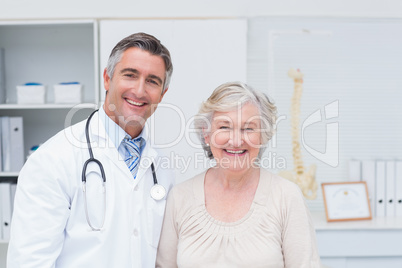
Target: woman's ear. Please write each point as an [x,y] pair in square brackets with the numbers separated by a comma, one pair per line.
[206,136]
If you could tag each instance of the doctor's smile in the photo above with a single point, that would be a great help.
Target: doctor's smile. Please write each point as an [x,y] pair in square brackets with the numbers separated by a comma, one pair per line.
[135,103]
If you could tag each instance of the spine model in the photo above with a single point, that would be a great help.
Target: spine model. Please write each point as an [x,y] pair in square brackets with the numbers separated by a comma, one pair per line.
[302,177]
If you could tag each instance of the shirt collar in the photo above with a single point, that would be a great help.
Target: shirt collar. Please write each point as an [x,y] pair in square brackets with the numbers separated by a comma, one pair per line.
[114,131]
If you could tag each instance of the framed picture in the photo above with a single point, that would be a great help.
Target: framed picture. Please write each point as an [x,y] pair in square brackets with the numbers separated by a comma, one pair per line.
[346,201]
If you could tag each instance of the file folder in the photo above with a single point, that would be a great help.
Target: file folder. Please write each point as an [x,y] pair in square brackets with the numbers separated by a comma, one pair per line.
[390,189]
[368,175]
[16,143]
[5,198]
[398,188]
[12,143]
[2,76]
[380,188]
[5,143]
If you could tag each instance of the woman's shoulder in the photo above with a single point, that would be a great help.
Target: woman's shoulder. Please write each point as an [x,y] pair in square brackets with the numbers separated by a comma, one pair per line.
[278,184]
[280,192]
[187,197]
[192,187]
[275,179]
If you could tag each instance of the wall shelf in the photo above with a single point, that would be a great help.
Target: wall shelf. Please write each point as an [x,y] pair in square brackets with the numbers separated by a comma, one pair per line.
[46,106]
[8,174]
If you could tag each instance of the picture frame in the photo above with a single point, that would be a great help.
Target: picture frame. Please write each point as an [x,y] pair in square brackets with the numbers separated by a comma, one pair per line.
[346,201]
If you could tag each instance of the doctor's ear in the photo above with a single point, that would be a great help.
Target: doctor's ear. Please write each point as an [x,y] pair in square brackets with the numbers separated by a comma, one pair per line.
[106,80]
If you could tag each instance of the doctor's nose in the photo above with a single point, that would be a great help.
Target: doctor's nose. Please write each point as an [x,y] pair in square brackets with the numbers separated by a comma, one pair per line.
[139,88]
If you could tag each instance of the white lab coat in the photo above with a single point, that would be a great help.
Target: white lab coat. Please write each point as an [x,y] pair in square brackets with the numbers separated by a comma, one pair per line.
[49,226]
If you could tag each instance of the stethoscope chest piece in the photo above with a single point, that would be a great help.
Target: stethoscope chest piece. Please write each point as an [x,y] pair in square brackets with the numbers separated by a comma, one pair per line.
[158,192]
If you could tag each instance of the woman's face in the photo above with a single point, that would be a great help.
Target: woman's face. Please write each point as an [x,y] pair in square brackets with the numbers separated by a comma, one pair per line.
[235,138]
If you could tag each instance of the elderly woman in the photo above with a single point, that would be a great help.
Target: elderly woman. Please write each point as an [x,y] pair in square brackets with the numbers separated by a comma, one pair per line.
[236,214]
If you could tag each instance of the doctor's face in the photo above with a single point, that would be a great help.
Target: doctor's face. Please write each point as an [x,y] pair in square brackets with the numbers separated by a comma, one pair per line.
[135,90]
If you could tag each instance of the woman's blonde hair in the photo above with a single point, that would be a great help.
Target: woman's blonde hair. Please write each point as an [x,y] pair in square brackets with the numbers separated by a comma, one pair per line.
[230,96]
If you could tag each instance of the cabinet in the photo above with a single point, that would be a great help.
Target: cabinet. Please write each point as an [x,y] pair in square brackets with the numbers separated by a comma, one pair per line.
[354,244]
[48,52]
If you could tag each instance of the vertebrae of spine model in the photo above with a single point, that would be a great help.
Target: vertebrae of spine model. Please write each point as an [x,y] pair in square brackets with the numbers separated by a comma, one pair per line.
[302,177]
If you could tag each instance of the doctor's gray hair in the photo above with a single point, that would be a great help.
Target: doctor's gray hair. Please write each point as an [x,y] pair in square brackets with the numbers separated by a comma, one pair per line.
[145,42]
[232,96]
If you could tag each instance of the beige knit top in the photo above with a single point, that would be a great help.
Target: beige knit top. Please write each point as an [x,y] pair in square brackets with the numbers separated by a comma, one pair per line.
[276,232]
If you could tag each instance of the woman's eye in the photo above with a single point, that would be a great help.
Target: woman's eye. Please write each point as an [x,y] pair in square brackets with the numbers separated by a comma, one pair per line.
[224,127]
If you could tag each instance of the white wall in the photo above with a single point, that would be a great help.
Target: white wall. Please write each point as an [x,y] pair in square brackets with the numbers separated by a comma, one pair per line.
[49,9]
[354,62]
[258,62]
[205,54]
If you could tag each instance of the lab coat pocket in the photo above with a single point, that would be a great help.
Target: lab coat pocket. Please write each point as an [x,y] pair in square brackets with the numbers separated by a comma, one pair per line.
[155,219]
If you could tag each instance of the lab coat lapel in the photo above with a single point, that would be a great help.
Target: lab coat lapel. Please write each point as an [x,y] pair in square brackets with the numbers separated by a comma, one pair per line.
[106,147]
[148,156]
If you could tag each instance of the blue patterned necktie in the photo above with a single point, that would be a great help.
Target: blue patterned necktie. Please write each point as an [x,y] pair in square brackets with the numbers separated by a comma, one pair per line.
[133,147]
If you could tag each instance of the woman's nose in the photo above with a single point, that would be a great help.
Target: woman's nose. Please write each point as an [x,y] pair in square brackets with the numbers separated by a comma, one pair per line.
[236,138]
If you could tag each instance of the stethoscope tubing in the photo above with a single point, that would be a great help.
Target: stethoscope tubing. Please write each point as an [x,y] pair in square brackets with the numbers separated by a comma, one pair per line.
[158,192]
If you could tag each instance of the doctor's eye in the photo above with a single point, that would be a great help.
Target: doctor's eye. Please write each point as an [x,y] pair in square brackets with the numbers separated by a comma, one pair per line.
[130,75]
[154,82]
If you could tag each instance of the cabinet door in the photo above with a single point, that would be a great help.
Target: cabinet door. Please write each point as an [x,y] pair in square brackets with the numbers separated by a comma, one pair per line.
[205,54]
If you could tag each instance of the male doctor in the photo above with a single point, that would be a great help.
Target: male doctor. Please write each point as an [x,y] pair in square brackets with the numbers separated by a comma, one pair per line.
[58,222]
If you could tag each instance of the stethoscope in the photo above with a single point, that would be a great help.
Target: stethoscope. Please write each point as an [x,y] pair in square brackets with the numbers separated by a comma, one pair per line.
[158,192]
